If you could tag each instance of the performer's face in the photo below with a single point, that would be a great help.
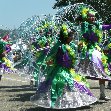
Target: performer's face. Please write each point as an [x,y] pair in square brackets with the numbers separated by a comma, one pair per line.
[69,40]
[91,18]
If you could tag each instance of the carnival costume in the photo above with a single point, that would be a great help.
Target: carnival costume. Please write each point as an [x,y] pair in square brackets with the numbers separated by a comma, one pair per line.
[107,51]
[61,87]
[89,43]
[93,62]
[5,63]
[41,46]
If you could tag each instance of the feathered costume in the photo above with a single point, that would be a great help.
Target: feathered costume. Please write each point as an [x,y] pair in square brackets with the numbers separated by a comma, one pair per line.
[4,49]
[93,62]
[41,46]
[61,87]
[89,43]
[107,52]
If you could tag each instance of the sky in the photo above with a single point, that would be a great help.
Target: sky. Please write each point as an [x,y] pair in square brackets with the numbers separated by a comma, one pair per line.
[14,12]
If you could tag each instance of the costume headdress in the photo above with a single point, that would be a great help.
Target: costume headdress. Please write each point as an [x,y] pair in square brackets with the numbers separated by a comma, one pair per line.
[64,31]
[85,12]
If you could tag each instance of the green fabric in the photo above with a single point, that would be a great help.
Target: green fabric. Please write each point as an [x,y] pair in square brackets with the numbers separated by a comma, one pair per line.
[88,28]
[61,77]
[73,46]
[64,48]
[2,46]
[54,49]
[40,61]
[91,49]
[84,27]
[35,74]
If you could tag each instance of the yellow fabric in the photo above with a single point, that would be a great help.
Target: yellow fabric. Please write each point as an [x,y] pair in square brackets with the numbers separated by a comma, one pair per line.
[109,45]
[7,62]
[85,11]
[98,48]
[75,76]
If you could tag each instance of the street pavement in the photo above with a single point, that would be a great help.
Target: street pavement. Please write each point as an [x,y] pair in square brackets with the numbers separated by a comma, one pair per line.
[15,95]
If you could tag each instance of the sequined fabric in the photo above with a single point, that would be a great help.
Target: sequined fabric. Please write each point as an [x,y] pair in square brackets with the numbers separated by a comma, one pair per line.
[69,99]
[92,69]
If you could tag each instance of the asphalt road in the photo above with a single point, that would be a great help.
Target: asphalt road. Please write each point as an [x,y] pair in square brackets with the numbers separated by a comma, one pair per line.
[15,95]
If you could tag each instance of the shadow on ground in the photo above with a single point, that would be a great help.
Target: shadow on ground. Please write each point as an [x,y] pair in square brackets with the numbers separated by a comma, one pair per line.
[49,109]
[22,86]
[21,89]
[99,102]
[98,88]
[17,88]
[22,97]
[94,87]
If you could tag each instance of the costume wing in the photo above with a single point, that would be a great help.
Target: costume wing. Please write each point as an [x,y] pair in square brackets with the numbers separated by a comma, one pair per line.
[34,39]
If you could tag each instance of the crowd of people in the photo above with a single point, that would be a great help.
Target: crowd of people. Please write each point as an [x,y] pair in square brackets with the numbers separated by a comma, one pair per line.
[59,82]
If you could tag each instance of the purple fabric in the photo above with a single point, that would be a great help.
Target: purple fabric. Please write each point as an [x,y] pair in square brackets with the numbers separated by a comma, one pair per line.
[96,59]
[37,46]
[91,37]
[63,58]
[8,48]
[46,50]
[106,27]
[44,86]
[5,68]
[109,66]
[82,88]
[109,52]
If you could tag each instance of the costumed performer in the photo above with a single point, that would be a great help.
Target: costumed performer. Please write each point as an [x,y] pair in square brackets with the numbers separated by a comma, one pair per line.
[62,88]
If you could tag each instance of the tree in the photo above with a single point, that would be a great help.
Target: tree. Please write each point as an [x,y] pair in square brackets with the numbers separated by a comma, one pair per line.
[102,6]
